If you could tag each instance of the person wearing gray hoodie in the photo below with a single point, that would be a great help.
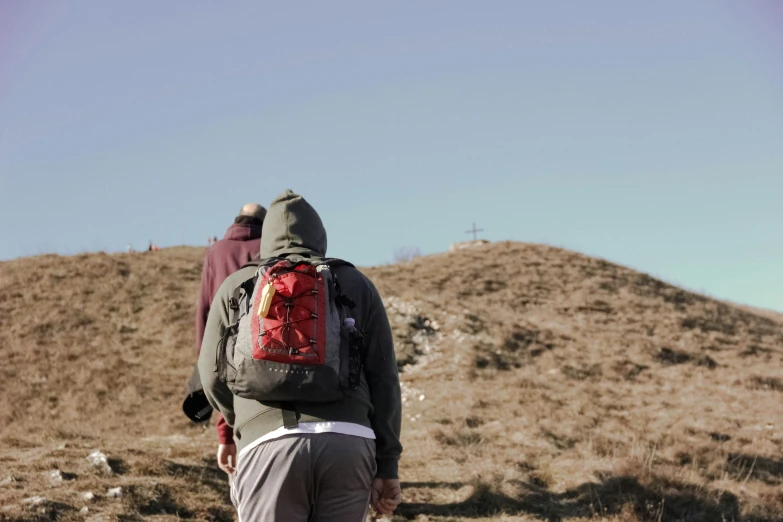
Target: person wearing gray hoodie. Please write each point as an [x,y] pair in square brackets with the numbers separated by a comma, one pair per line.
[338,457]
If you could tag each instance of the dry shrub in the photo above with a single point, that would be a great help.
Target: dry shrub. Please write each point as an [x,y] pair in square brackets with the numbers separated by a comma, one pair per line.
[767,383]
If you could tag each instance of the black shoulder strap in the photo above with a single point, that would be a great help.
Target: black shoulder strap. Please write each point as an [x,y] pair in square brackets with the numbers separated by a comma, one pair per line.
[335,262]
[340,298]
[253,262]
[246,287]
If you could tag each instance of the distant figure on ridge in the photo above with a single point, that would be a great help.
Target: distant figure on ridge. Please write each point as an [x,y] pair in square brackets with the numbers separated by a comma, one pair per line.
[240,245]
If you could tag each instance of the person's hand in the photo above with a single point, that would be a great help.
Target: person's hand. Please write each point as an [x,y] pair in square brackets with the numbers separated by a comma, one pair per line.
[227,458]
[385,495]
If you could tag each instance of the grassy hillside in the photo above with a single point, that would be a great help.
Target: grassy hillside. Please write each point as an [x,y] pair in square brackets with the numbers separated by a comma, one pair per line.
[539,384]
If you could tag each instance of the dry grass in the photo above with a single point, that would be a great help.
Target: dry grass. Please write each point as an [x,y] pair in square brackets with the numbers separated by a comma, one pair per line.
[539,384]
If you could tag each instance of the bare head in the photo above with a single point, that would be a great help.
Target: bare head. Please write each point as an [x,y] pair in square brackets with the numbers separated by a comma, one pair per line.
[253,210]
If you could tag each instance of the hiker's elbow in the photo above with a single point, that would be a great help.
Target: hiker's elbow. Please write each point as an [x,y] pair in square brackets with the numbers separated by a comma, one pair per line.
[207,373]
[206,366]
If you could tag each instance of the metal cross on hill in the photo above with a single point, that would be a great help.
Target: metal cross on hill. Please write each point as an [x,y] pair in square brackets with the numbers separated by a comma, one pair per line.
[474,231]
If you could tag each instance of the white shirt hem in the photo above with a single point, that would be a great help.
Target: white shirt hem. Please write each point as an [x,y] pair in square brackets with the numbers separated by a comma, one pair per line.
[344,428]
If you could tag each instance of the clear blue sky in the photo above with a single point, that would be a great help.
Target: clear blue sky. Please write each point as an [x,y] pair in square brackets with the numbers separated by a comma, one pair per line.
[647,133]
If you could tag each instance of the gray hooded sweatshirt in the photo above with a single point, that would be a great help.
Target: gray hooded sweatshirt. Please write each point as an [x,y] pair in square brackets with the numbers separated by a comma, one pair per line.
[293,229]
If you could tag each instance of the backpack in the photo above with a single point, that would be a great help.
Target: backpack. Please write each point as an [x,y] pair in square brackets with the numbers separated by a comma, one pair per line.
[291,337]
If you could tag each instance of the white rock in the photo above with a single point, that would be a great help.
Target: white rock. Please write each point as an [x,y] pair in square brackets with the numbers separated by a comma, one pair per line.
[84,510]
[99,518]
[88,496]
[464,245]
[7,481]
[55,476]
[10,507]
[114,493]
[421,397]
[99,461]
[34,501]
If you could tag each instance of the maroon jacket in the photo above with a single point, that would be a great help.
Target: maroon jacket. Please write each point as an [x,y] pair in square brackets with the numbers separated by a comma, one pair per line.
[241,244]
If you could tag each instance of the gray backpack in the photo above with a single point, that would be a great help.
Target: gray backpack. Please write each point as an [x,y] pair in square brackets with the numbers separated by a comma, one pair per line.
[291,337]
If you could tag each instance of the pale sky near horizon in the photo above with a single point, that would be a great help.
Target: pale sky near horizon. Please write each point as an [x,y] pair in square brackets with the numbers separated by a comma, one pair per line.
[645,133]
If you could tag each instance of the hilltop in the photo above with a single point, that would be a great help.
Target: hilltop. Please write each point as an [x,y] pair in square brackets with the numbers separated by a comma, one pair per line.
[539,384]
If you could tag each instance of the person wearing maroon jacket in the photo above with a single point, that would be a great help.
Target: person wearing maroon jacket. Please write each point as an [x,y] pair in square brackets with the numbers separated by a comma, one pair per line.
[240,245]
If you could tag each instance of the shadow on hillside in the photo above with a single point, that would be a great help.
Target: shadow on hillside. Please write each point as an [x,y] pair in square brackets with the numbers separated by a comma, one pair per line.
[708,315]
[764,469]
[49,512]
[207,473]
[661,500]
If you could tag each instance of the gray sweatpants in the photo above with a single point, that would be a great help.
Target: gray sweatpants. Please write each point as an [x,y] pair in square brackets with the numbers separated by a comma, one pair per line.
[319,477]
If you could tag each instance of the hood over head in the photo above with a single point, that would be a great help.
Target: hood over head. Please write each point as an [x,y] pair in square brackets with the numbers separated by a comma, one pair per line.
[292,226]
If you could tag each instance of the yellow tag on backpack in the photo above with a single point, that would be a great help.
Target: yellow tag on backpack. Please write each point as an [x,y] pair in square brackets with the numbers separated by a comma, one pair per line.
[267,293]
